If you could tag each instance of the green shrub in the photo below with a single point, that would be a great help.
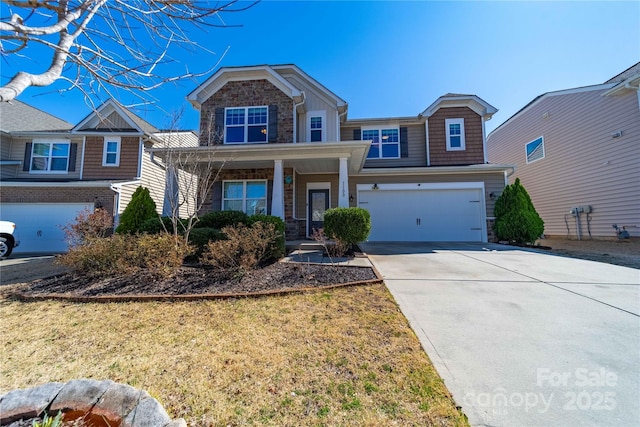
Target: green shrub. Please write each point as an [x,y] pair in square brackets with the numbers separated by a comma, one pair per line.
[161,224]
[140,208]
[516,217]
[245,248]
[277,248]
[222,219]
[347,225]
[200,237]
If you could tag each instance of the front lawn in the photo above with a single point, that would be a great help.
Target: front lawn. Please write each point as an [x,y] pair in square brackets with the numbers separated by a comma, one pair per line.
[340,357]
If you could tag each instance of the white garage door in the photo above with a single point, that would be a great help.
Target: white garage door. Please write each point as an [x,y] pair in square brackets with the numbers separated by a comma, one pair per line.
[425,215]
[39,225]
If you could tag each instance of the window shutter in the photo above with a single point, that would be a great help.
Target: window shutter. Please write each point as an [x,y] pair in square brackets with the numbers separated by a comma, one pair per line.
[216,196]
[73,153]
[26,166]
[269,195]
[218,138]
[404,142]
[273,123]
[357,135]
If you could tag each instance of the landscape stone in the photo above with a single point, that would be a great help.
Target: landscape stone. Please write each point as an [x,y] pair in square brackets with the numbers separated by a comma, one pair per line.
[148,413]
[80,395]
[27,403]
[118,401]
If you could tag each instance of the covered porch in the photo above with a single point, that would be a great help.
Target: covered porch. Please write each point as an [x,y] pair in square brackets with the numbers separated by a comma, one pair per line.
[279,167]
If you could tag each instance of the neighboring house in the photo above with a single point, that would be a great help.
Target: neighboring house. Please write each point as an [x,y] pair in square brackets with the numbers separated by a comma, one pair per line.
[286,148]
[577,153]
[52,170]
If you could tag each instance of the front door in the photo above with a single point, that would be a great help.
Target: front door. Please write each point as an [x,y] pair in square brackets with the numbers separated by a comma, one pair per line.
[318,203]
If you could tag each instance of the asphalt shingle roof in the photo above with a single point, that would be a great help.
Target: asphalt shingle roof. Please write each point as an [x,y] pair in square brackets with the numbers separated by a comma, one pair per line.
[16,116]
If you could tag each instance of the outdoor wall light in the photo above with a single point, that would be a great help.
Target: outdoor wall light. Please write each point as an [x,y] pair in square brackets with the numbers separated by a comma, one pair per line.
[351,197]
[375,187]
[492,195]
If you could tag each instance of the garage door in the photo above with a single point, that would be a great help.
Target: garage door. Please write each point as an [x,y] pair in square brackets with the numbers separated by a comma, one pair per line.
[39,225]
[425,215]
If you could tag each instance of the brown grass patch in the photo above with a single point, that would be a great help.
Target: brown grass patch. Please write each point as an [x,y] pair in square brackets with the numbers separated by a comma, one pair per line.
[340,357]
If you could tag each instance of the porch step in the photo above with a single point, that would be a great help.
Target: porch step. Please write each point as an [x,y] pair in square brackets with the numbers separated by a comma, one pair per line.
[306,245]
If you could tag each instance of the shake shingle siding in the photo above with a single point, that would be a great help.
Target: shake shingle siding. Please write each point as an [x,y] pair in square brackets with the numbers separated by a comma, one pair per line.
[583,163]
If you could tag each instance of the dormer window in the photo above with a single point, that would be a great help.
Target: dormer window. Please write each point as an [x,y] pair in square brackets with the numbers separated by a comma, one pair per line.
[455,134]
[246,125]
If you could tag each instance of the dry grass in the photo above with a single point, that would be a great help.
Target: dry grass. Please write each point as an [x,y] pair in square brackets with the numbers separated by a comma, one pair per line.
[344,357]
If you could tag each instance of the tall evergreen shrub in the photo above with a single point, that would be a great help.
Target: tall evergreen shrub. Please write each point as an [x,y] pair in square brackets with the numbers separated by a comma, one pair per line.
[140,208]
[516,217]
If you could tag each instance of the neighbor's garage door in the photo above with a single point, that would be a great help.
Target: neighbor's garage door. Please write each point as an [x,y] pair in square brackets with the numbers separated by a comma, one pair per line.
[430,215]
[39,225]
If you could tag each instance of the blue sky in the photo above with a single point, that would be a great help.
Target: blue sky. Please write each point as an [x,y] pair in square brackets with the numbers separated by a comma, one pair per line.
[389,59]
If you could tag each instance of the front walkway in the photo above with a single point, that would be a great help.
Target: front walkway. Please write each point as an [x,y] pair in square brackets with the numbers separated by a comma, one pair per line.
[520,337]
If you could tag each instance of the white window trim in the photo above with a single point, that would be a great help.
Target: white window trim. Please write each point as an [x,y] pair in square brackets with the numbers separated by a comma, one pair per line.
[379,129]
[50,142]
[526,156]
[107,140]
[459,121]
[323,115]
[246,125]
[244,193]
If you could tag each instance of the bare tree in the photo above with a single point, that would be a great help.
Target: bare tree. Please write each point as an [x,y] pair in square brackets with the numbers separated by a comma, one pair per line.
[106,44]
[191,172]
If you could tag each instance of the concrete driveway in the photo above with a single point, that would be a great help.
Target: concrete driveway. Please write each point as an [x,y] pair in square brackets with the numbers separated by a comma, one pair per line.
[522,338]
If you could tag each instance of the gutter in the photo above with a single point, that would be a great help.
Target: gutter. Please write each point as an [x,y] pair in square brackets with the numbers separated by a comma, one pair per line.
[295,117]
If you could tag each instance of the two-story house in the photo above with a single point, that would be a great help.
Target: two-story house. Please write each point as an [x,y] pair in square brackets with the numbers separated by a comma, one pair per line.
[577,153]
[51,170]
[286,147]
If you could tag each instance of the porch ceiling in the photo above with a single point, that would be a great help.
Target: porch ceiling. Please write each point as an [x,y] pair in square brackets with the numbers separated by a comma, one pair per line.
[307,157]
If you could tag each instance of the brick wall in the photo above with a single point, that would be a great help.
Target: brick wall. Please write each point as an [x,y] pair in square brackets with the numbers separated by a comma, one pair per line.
[214,202]
[104,196]
[474,151]
[247,94]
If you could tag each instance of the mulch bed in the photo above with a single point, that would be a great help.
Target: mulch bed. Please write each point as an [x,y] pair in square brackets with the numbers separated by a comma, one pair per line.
[191,282]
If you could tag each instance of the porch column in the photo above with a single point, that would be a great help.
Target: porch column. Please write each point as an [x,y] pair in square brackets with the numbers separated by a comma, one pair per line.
[343,179]
[277,196]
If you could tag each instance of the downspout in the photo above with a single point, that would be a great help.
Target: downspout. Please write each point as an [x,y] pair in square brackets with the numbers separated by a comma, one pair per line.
[338,123]
[116,205]
[295,117]
[84,143]
[484,142]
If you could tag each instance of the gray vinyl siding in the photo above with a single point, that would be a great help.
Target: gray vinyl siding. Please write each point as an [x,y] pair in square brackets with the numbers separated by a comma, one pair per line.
[583,164]
[314,101]
[416,144]
[493,182]
[301,181]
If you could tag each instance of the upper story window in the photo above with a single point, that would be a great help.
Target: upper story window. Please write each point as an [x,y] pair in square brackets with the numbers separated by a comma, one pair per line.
[246,196]
[246,125]
[385,142]
[51,156]
[535,150]
[111,151]
[316,126]
[455,134]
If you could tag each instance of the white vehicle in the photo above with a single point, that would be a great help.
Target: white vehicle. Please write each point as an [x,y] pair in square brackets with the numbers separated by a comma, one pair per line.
[8,240]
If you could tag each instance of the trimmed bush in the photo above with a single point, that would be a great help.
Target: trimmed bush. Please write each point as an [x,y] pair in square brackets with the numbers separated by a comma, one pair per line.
[277,248]
[156,225]
[222,219]
[516,217]
[140,208]
[161,254]
[347,225]
[244,249]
